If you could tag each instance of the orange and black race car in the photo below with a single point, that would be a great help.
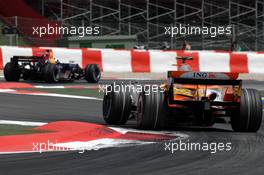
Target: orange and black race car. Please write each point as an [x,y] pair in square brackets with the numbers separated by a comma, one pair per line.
[46,68]
[196,98]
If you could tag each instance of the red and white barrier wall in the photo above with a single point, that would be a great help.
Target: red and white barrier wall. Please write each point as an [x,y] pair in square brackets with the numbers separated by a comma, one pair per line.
[111,60]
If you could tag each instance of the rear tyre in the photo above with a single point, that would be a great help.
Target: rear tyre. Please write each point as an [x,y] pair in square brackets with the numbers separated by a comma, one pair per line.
[116,106]
[249,116]
[51,73]
[92,73]
[12,72]
[151,110]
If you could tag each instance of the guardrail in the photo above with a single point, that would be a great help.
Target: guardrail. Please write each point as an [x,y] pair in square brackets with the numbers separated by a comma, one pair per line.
[110,60]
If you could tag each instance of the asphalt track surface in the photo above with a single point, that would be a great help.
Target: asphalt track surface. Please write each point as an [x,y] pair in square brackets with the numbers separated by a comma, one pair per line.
[246,156]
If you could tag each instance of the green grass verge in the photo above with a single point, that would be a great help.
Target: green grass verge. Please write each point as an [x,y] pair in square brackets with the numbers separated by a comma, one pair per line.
[70,91]
[17,130]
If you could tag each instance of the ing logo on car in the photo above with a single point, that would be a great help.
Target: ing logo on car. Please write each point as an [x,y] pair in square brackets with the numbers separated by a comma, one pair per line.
[200,75]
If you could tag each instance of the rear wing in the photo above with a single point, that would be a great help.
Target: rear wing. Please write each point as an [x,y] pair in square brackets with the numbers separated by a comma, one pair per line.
[17,59]
[203,75]
[203,78]
[206,81]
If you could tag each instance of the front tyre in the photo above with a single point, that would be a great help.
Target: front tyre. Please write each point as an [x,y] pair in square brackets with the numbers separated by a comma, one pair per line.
[92,73]
[249,116]
[12,72]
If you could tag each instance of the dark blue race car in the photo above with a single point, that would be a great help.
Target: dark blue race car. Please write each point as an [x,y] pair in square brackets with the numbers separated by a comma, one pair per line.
[39,68]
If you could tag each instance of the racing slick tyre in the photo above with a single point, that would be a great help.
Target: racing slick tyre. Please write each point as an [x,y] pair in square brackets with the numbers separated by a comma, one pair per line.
[116,106]
[92,73]
[12,72]
[151,110]
[51,73]
[249,116]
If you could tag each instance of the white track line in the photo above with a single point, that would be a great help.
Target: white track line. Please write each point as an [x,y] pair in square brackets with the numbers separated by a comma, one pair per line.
[170,133]
[66,87]
[18,152]
[6,90]
[22,123]
[50,87]
[65,96]
[100,143]
[11,91]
